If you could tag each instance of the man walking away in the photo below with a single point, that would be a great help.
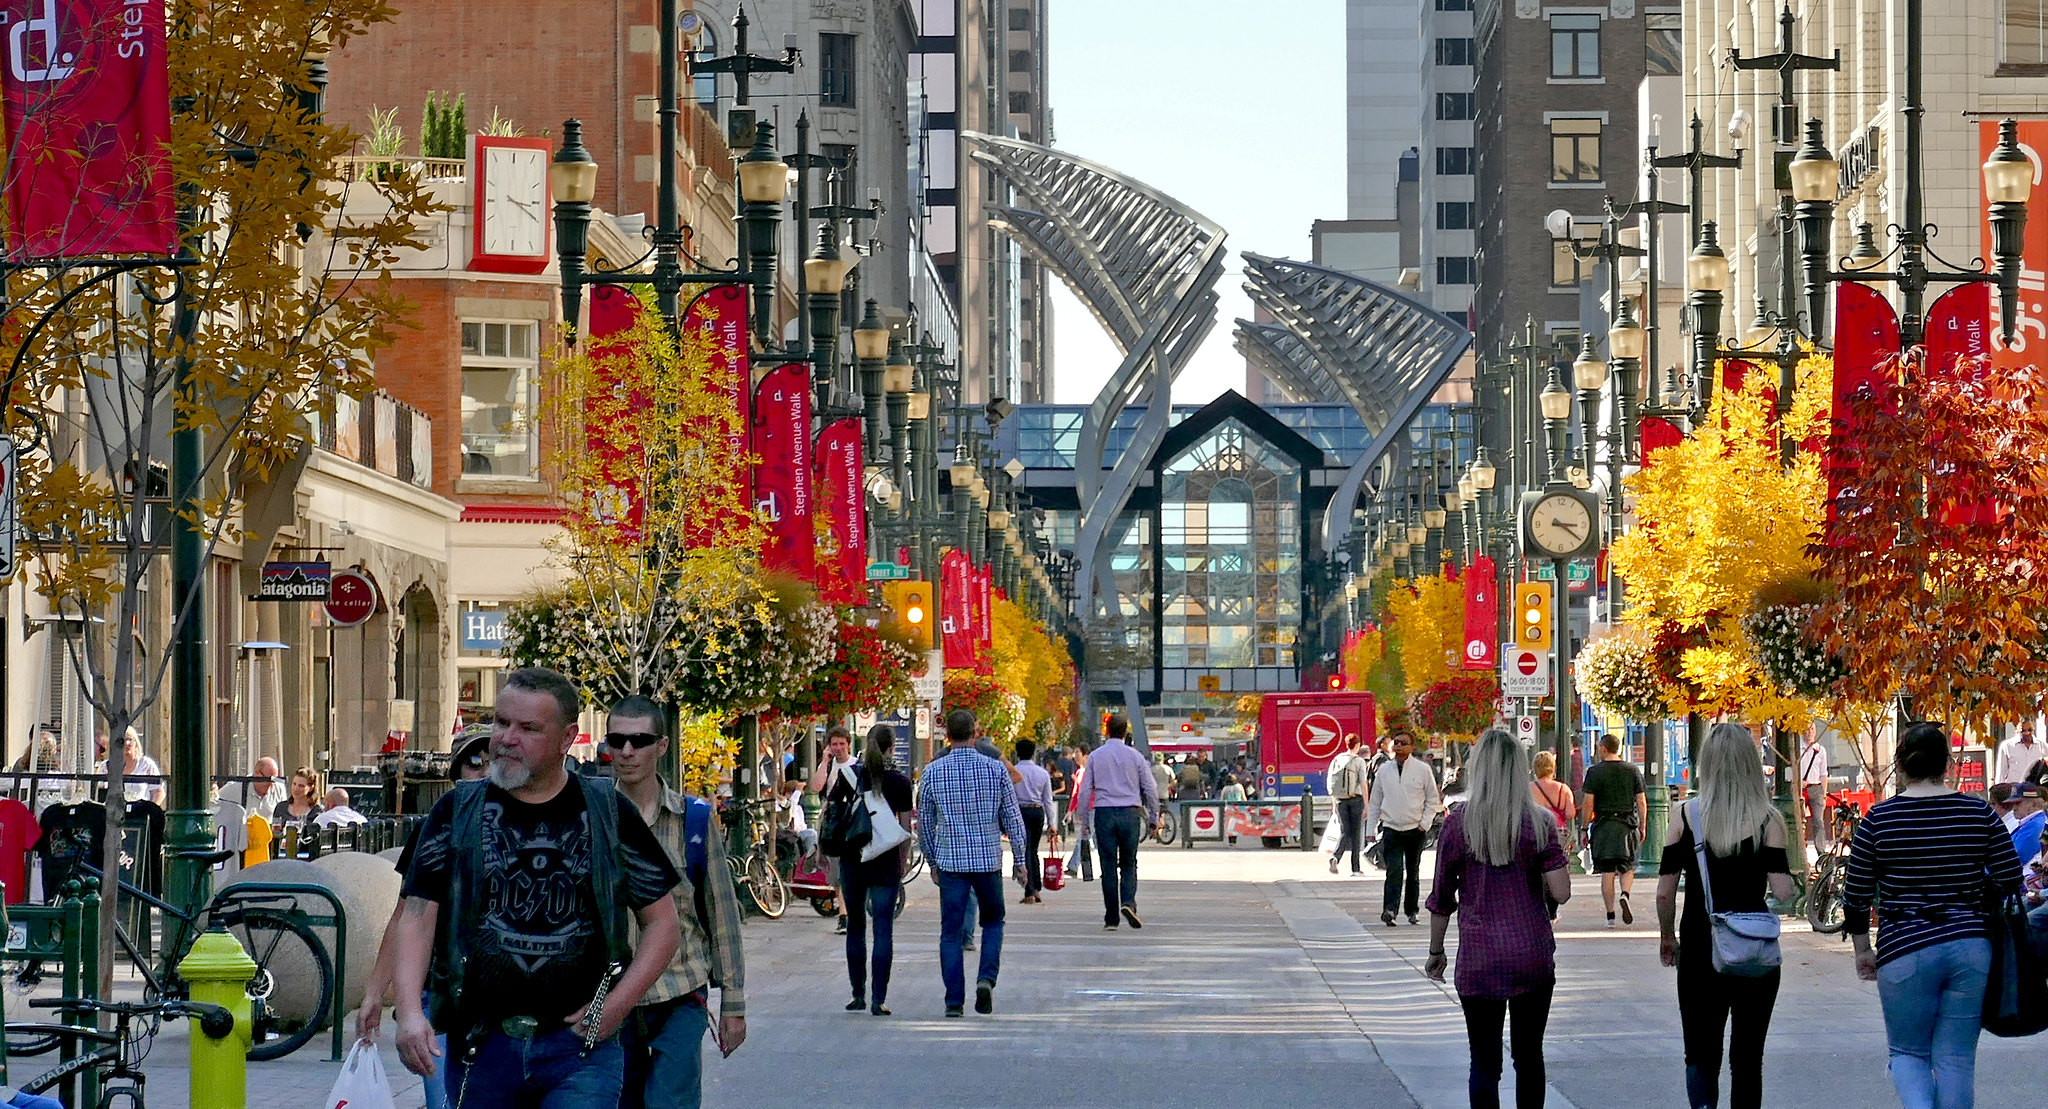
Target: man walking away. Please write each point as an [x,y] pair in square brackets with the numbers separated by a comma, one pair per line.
[1121,798]
[1035,801]
[1615,811]
[1347,785]
[1404,800]
[1083,859]
[524,883]
[664,1038]
[965,806]
[1813,784]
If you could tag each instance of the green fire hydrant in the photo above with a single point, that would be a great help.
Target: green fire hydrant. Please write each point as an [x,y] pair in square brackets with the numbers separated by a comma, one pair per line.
[219,971]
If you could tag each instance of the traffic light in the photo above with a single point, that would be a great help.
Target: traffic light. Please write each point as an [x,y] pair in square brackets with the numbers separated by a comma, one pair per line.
[1532,615]
[910,603]
[1186,727]
[1336,682]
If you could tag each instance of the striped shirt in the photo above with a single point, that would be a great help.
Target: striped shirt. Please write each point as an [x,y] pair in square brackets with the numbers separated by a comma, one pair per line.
[1929,864]
[965,806]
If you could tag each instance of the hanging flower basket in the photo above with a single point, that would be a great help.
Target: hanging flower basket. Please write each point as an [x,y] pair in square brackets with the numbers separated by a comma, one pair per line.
[1461,705]
[1620,674]
[870,670]
[1788,654]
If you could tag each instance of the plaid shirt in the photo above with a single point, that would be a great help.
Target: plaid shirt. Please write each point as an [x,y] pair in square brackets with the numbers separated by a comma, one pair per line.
[709,953]
[1506,945]
[965,805]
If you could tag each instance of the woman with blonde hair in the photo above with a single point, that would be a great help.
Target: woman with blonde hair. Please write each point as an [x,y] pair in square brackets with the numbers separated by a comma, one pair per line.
[1745,840]
[1553,795]
[1498,857]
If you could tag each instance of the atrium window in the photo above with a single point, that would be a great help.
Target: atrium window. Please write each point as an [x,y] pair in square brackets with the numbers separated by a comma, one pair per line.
[500,365]
[1230,577]
[1574,150]
[1575,46]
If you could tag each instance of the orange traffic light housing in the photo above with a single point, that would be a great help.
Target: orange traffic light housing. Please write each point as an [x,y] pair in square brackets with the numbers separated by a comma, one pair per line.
[910,607]
[1532,615]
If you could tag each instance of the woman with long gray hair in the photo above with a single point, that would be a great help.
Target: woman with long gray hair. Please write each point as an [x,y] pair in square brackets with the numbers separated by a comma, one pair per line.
[1498,859]
[1745,839]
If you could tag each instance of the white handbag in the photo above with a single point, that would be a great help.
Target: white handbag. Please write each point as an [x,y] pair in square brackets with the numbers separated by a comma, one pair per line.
[889,833]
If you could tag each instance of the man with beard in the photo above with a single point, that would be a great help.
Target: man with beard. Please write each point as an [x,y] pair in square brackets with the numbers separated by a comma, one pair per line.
[522,885]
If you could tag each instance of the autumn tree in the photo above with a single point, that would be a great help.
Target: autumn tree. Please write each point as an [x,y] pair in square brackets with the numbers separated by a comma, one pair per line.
[272,308]
[1938,543]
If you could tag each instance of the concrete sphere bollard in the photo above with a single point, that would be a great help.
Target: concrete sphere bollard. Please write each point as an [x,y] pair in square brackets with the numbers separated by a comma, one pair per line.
[368,890]
[368,887]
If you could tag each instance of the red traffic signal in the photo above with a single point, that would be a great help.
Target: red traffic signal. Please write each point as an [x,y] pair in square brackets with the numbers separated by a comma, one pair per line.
[1336,682]
[1186,727]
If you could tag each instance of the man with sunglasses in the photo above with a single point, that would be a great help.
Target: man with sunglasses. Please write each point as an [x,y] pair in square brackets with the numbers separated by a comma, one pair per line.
[665,1035]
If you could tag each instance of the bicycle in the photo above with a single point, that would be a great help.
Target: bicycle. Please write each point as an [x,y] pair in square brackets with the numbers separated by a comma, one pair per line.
[267,926]
[116,1055]
[754,870]
[1824,886]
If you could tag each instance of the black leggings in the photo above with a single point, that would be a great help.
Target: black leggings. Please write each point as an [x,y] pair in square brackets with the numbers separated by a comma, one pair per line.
[1483,1019]
[1706,1002]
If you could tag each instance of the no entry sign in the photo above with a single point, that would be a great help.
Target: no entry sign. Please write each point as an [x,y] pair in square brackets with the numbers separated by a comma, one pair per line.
[1525,673]
[1204,821]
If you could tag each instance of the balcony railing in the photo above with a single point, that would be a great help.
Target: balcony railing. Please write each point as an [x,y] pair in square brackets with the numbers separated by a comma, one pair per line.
[382,433]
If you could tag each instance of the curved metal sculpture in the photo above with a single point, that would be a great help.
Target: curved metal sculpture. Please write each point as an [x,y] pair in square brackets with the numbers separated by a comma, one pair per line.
[1146,266]
[1341,338]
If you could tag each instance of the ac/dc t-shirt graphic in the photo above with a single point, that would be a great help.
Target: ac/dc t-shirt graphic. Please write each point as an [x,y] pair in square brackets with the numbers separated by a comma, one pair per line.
[539,948]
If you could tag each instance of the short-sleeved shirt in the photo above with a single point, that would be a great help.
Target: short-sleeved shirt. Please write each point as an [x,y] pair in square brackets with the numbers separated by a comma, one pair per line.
[1615,785]
[539,949]
[1505,944]
[1740,882]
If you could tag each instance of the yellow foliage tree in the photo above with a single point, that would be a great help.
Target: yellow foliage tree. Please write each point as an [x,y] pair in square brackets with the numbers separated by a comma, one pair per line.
[1429,626]
[1721,518]
[1030,664]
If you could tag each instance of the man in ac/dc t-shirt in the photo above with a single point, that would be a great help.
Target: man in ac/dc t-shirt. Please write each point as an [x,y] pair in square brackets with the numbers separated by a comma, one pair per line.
[1614,806]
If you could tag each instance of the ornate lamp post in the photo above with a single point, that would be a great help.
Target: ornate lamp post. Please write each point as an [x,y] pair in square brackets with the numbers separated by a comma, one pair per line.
[1706,272]
[870,349]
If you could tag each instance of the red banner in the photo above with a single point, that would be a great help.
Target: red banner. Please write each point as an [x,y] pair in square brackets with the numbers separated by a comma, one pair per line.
[782,472]
[1656,433]
[1482,615]
[956,609]
[984,623]
[2030,317]
[719,316]
[88,114]
[616,443]
[1866,348]
[1959,326]
[842,557]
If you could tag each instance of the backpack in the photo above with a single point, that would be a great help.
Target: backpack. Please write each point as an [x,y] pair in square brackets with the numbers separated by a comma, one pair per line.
[696,844]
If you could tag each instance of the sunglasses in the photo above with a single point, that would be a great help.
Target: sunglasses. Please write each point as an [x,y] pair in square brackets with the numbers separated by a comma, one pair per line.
[631,740]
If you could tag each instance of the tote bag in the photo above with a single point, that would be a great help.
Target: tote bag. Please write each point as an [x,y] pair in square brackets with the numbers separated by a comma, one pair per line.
[885,832]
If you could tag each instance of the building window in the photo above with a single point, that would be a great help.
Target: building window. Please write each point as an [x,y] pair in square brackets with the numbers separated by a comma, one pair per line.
[1020,19]
[1663,49]
[835,70]
[1454,161]
[500,364]
[1020,103]
[1575,46]
[704,86]
[1454,105]
[1020,61]
[1567,269]
[1455,215]
[1454,51]
[1454,271]
[2025,33]
[1454,5]
[1574,150]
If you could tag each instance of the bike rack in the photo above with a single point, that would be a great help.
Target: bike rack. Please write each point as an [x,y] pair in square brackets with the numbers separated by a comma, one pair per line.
[338,920]
[66,933]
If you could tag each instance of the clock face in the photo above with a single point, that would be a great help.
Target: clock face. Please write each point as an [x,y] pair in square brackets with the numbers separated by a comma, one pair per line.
[515,202]
[1561,524]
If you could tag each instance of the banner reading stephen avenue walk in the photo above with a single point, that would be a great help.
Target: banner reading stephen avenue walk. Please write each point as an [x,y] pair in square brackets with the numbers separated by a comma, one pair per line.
[87,105]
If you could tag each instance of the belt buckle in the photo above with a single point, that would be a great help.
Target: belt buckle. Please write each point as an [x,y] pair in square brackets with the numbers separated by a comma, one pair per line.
[519,1028]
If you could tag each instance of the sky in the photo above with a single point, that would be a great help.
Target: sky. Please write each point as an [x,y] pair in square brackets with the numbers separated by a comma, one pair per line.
[1236,111]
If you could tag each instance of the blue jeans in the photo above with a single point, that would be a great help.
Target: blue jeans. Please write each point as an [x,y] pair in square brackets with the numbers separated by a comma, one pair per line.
[865,902]
[664,1048]
[1117,835]
[1933,1002]
[435,1086]
[546,1072]
[985,887]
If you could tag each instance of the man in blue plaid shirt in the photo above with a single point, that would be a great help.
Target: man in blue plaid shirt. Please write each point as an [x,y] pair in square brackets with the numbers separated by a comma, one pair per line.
[965,805]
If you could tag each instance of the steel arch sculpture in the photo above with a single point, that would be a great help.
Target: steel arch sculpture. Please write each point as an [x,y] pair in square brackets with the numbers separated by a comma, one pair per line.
[1146,266]
[1339,337]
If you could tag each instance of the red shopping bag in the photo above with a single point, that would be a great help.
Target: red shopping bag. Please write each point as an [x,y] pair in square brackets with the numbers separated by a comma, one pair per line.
[1055,865]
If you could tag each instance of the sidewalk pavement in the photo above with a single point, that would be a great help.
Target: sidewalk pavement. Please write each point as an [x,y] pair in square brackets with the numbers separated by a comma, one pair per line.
[1258,976]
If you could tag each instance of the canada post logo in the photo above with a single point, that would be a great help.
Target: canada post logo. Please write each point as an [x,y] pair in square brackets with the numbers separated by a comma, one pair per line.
[56,62]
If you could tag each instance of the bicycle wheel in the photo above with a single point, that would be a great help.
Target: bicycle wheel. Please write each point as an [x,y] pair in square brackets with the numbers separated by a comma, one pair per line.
[915,867]
[1169,827]
[765,884]
[281,945]
[1824,898]
[33,1039]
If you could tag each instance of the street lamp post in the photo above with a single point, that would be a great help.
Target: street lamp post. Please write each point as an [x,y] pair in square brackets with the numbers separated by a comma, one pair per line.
[1706,273]
[870,351]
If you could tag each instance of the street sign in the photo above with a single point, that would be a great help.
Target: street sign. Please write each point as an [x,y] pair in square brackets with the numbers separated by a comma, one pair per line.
[1525,673]
[929,686]
[1319,735]
[1209,683]
[10,493]
[1204,821]
[888,571]
[1525,729]
[351,599]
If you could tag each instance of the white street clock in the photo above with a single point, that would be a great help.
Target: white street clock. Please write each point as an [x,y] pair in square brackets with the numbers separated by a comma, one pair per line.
[1560,523]
[510,210]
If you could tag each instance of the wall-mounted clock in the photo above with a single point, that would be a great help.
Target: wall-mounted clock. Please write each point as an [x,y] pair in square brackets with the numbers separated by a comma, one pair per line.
[510,211]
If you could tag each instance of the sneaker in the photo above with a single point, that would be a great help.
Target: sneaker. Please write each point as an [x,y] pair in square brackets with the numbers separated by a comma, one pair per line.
[956,1010]
[984,997]
[1413,919]
[1628,915]
[856,1005]
[1387,919]
[1333,864]
[1610,920]
[1110,927]
[967,944]
[1131,915]
[840,928]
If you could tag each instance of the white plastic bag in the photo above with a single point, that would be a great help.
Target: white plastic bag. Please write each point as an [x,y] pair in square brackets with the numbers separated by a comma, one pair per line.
[362,1084]
[1332,832]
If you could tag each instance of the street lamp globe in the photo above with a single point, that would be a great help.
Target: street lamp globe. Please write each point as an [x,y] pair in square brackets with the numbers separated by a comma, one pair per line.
[825,270]
[1433,517]
[1555,399]
[871,336]
[1762,332]
[998,519]
[1454,500]
[2008,175]
[898,375]
[1706,269]
[1418,534]
[1558,223]
[1468,485]
[1401,548]
[1865,255]
[764,177]
[1626,339]
[1589,371]
[961,471]
[1816,176]
[572,177]
[1483,472]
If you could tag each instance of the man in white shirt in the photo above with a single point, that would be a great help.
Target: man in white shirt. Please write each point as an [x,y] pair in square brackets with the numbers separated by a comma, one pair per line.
[263,794]
[336,810]
[1813,785]
[2018,755]
[1404,800]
